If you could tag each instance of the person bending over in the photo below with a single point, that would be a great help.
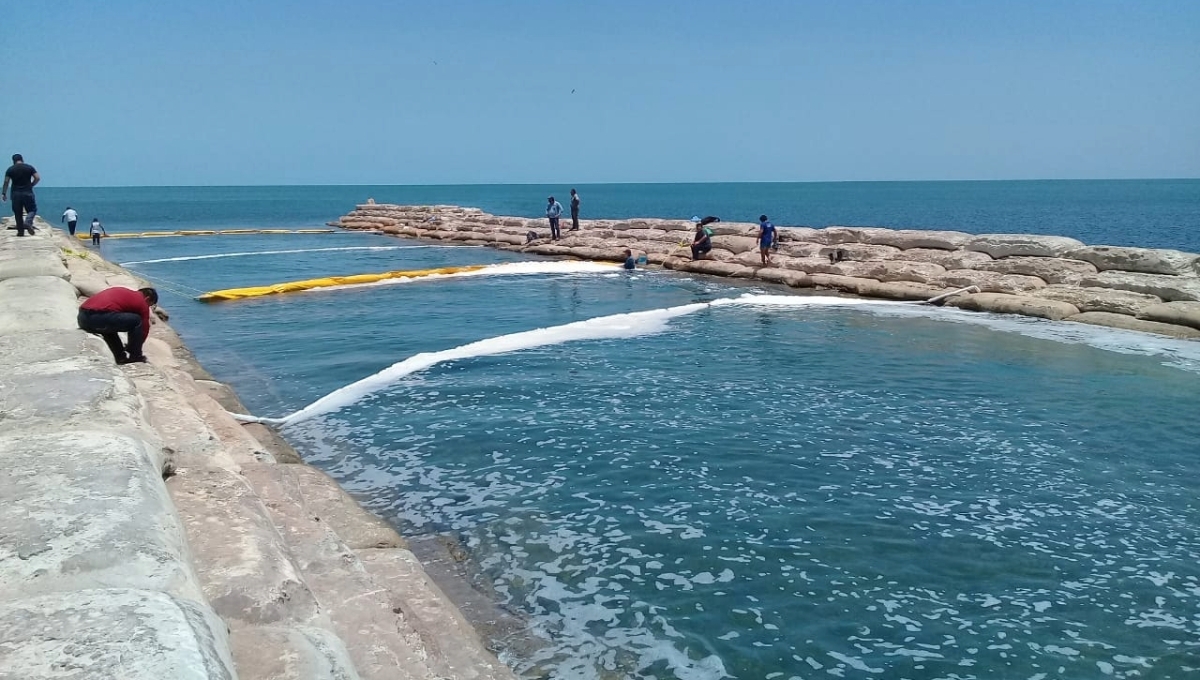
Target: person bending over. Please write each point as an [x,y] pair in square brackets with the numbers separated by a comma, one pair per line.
[702,243]
[120,310]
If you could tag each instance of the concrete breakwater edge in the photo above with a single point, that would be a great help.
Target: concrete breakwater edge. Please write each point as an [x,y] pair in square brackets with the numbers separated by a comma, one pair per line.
[1052,277]
[147,534]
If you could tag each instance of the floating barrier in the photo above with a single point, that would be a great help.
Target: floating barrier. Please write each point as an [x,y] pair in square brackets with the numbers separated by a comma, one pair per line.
[508,268]
[209,232]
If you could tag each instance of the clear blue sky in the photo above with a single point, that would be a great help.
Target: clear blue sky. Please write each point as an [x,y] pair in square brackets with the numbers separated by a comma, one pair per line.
[142,92]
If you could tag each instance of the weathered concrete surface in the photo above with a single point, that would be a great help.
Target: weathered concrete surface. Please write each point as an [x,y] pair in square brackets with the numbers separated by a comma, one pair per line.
[112,633]
[888,263]
[107,572]
[1014,304]
[1179,313]
[1129,323]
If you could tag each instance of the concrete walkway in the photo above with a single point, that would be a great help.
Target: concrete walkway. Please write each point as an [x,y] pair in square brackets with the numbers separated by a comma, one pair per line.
[146,534]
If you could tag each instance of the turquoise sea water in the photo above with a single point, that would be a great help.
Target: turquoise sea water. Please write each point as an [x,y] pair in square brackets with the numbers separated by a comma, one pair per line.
[768,487]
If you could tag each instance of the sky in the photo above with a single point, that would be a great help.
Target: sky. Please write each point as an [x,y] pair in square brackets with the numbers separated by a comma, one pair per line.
[221,92]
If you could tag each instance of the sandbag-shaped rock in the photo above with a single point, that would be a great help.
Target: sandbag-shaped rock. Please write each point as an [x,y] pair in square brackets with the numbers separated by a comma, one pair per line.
[1089,299]
[1049,269]
[717,268]
[1169,288]
[1130,323]
[991,282]
[785,276]
[735,244]
[950,259]
[1008,245]
[832,236]
[845,284]
[898,290]
[800,248]
[899,270]
[732,229]
[1002,303]
[1179,313]
[906,239]
[861,252]
[1143,260]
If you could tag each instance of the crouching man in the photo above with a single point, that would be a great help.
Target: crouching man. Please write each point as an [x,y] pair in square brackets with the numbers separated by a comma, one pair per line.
[120,310]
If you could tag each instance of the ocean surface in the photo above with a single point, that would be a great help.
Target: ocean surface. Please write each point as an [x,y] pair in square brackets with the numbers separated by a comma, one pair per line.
[678,477]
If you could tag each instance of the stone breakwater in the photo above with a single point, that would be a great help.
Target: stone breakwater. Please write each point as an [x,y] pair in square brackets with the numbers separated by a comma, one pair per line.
[1052,277]
[145,534]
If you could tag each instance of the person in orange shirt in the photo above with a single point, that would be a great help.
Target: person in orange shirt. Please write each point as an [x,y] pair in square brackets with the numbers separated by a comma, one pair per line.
[120,310]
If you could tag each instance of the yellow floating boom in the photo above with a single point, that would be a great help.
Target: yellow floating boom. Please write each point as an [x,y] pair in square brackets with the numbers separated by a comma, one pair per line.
[208,232]
[297,286]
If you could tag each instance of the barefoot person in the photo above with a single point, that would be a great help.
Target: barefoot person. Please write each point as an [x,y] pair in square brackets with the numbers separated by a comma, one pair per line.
[24,178]
[120,310]
[766,237]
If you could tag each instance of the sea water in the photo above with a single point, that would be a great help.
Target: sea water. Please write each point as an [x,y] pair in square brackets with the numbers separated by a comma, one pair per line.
[734,481]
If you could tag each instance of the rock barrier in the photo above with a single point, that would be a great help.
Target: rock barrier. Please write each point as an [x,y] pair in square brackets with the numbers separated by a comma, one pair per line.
[147,535]
[1143,289]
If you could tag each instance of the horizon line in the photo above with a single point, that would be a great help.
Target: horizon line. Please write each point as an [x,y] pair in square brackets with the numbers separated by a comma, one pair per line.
[665,183]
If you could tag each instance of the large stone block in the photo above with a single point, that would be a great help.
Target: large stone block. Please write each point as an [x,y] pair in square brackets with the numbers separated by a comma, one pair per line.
[1129,323]
[899,290]
[791,278]
[23,264]
[736,244]
[1008,245]
[950,259]
[1143,260]
[1049,269]
[290,653]
[113,633]
[82,389]
[1013,304]
[87,509]
[1169,288]
[906,239]
[991,282]
[897,270]
[1179,313]
[832,236]
[1098,299]
[37,303]
[355,526]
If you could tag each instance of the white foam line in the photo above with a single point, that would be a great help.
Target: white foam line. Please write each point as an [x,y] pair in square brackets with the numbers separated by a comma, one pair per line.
[627,325]
[284,252]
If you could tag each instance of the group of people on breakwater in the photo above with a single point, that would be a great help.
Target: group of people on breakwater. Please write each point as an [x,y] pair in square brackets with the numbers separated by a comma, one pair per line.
[23,177]
[554,212]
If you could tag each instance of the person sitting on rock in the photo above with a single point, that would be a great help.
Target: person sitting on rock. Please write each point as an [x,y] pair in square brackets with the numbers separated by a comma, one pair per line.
[120,310]
[702,243]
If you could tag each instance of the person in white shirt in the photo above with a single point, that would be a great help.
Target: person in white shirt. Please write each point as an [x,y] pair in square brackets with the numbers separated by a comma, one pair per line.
[70,217]
[96,230]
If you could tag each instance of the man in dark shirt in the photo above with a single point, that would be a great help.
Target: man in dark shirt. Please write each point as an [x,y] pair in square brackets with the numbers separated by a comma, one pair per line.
[24,178]
[120,310]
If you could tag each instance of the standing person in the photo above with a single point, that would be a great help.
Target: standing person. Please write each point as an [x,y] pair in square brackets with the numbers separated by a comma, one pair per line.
[553,212]
[24,178]
[574,211]
[96,230]
[120,310]
[766,237]
[71,217]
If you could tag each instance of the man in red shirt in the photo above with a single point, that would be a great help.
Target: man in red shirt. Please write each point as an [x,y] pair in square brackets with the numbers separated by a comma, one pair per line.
[120,310]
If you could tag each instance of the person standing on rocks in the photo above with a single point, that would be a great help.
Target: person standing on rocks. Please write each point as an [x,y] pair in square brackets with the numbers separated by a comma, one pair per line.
[574,210]
[766,237]
[120,310]
[71,218]
[96,230]
[553,212]
[24,178]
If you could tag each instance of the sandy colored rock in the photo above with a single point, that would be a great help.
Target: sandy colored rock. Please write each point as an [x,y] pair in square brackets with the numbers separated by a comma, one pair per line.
[898,270]
[1098,299]
[832,236]
[950,259]
[991,282]
[1143,260]
[794,279]
[899,290]
[1049,269]
[1014,304]
[36,303]
[1178,313]
[735,244]
[860,252]
[1009,245]
[31,263]
[1169,288]
[290,653]
[1129,323]
[845,284]
[906,239]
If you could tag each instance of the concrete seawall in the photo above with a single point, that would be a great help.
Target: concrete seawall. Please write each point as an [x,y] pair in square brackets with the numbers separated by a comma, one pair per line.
[1052,277]
[146,534]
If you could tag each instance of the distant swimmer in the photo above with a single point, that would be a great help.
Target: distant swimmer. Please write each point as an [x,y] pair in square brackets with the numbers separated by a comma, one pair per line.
[24,178]
[630,263]
[766,238]
[71,218]
[96,230]
[553,212]
[702,243]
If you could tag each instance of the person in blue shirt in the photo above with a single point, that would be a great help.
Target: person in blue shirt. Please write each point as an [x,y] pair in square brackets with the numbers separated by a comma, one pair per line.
[766,237]
[553,211]
[630,263]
